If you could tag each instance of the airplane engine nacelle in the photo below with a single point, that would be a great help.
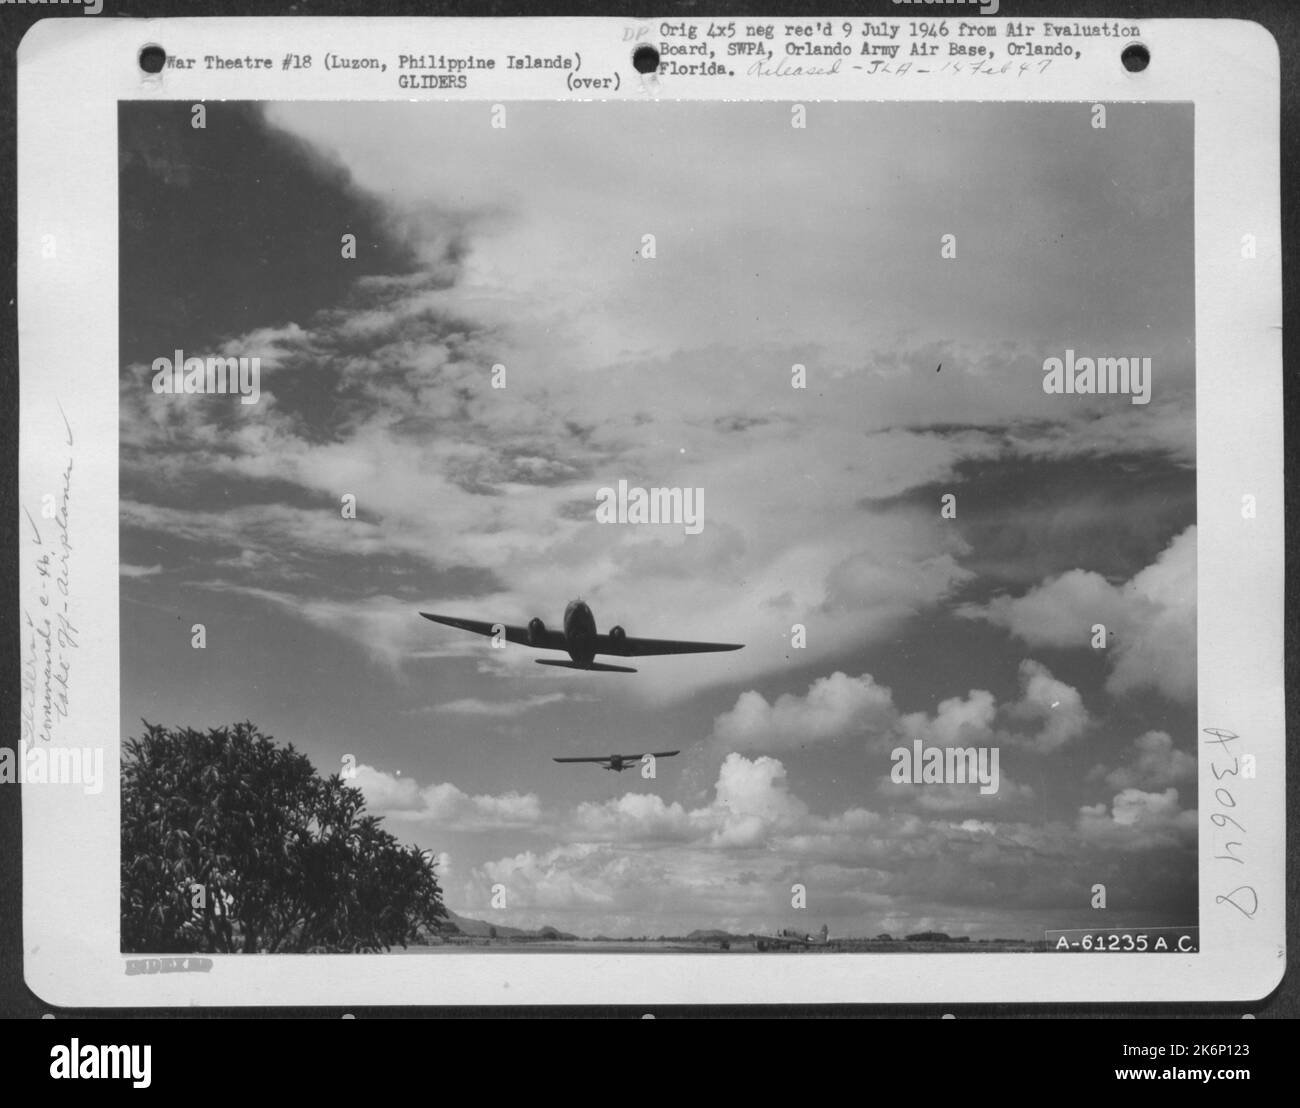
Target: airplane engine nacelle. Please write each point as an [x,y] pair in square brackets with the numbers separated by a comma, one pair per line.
[536,629]
[617,635]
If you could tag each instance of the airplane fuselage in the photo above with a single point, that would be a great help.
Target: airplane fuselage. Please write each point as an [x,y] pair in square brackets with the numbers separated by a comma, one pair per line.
[580,633]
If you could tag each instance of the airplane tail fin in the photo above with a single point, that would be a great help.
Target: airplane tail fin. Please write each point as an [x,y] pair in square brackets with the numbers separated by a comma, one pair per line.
[594,665]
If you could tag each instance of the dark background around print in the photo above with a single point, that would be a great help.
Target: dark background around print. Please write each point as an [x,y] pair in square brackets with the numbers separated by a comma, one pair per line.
[1281,19]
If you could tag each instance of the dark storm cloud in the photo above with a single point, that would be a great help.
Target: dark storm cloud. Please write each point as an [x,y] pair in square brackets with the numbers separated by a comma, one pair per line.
[1025,522]
[279,212]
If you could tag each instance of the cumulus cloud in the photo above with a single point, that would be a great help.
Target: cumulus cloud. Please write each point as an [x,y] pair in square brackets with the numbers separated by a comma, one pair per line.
[834,707]
[1153,763]
[640,861]
[1150,619]
[580,876]
[445,805]
[753,808]
[1138,820]
[634,817]
[751,803]
[958,721]
[1054,709]
[1160,651]
[1048,714]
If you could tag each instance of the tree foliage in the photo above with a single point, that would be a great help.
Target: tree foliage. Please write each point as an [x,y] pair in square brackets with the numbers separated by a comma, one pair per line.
[232,843]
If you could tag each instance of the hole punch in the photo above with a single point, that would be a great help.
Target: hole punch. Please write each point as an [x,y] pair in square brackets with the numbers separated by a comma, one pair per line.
[645,59]
[1135,57]
[153,58]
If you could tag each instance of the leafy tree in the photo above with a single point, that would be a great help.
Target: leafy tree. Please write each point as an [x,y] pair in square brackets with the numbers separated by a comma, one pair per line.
[233,843]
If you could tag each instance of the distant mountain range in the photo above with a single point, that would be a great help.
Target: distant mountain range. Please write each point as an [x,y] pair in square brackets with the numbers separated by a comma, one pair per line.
[478,928]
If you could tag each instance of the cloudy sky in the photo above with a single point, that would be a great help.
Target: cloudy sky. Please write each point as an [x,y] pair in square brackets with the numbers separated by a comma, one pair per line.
[521,246]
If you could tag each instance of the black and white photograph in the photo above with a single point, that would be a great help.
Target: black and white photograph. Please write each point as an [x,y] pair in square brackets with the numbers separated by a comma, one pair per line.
[699,527]
[729,516]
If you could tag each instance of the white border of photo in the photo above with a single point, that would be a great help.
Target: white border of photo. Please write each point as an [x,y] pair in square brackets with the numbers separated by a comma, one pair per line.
[71,75]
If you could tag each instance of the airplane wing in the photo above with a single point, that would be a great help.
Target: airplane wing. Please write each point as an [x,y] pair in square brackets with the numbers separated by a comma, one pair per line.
[546,640]
[624,646]
[600,760]
[653,754]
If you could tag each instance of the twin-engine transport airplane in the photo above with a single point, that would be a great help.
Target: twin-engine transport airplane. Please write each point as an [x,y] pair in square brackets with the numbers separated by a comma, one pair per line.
[619,762]
[580,640]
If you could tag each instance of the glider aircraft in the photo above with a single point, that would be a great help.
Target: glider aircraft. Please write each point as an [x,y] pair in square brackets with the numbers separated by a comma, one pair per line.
[620,762]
